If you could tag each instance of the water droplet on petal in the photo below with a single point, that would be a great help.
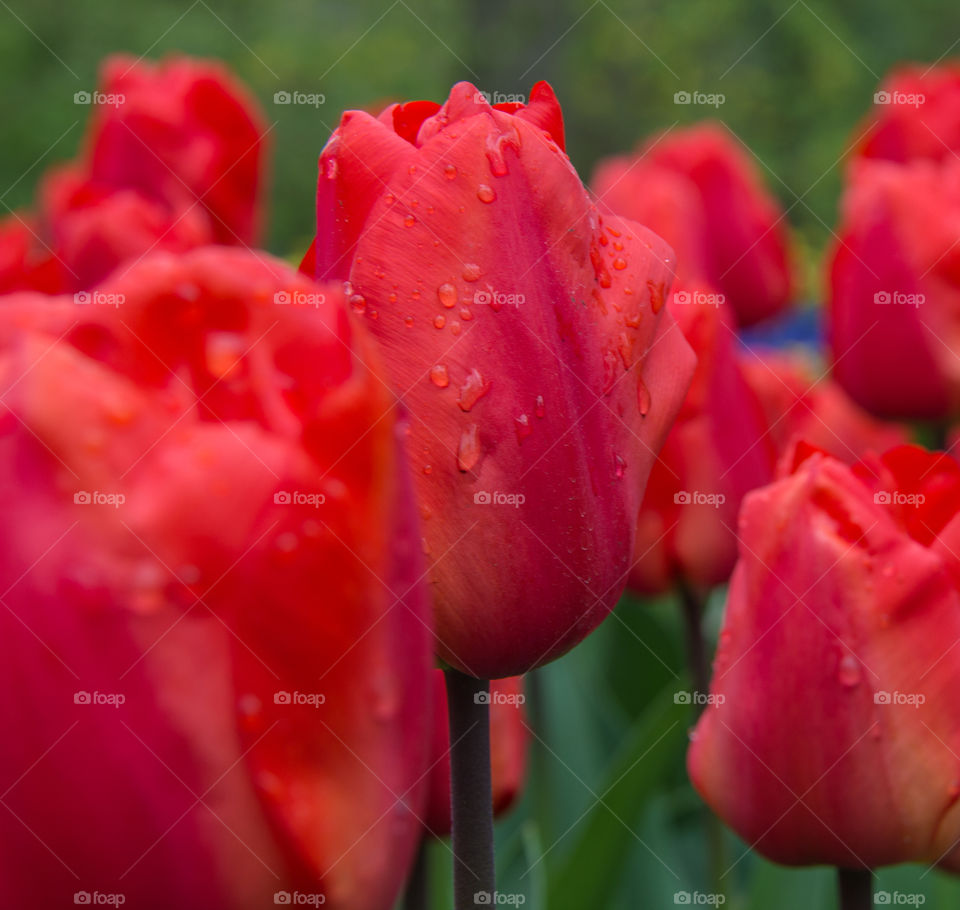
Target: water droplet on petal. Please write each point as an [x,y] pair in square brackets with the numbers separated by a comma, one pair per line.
[485,193]
[522,426]
[439,321]
[428,469]
[619,466]
[643,397]
[540,406]
[455,327]
[619,263]
[409,221]
[471,271]
[473,389]
[439,376]
[466,314]
[408,321]
[468,452]
[359,303]
[450,172]
[849,671]
[447,294]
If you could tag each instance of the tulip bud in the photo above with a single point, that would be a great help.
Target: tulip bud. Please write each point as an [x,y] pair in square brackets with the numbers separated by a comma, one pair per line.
[832,731]
[215,651]
[526,335]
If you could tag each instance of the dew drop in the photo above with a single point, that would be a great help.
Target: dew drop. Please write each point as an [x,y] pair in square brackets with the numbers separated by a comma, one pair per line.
[409,221]
[643,397]
[408,321]
[619,465]
[485,193]
[428,469]
[455,327]
[471,271]
[466,314]
[522,426]
[849,671]
[439,376]
[439,321]
[473,389]
[358,303]
[392,297]
[619,263]
[447,294]
[450,172]
[541,410]
[468,452]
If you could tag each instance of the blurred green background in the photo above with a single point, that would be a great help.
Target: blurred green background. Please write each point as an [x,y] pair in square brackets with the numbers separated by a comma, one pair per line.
[609,819]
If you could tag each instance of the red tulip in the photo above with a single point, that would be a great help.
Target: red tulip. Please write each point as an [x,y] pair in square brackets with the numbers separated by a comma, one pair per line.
[186,134]
[509,740]
[801,401]
[700,191]
[895,289]
[174,160]
[525,334]
[715,453]
[915,115]
[833,728]
[214,682]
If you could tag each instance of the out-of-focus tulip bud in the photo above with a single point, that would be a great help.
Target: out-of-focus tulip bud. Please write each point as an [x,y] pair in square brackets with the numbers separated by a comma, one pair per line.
[215,674]
[698,189]
[914,115]
[527,336]
[800,401]
[895,289]
[509,740]
[715,453]
[832,732]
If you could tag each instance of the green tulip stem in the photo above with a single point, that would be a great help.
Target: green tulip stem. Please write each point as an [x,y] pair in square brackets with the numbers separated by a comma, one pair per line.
[417,893]
[468,704]
[856,889]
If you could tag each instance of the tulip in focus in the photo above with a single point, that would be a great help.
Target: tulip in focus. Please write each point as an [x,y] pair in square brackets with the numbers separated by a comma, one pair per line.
[215,674]
[833,729]
[700,191]
[895,289]
[527,337]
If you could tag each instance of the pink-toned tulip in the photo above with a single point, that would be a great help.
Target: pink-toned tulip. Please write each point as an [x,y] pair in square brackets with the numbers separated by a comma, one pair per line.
[214,653]
[801,401]
[895,289]
[509,741]
[915,115]
[716,452]
[698,188]
[833,730]
[527,338]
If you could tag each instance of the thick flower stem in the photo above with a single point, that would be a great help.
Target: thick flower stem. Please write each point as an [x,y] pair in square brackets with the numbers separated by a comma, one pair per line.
[468,702]
[417,893]
[856,889]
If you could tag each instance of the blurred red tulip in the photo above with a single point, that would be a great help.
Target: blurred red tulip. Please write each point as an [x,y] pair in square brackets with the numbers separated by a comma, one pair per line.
[895,289]
[916,114]
[527,337]
[174,159]
[716,452]
[832,730]
[215,674]
[801,402]
[509,740]
[700,191]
